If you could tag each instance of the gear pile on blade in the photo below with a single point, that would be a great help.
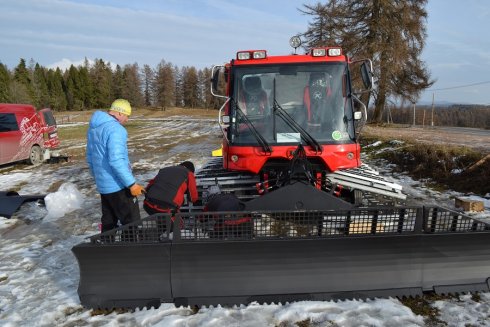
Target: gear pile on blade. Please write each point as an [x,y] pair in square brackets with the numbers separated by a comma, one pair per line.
[301,216]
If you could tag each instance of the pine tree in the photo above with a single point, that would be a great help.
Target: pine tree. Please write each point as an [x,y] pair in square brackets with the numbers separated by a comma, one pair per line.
[101,75]
[392,33]
[164,85]
[179,86]
[132,85]
[148,81]
[21,88]
[4,83]
[57,99]
[190,87]
[74,91]
[86,86]
[117,83]
[202,83]
[40,87]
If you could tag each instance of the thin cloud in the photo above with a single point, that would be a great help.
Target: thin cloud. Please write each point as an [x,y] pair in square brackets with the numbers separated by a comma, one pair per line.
[102,31]
[64,63]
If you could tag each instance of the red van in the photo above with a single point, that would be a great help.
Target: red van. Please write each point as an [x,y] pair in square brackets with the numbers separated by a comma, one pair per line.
[26,134]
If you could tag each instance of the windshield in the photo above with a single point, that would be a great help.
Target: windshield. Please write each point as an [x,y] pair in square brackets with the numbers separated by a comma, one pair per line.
[312,95]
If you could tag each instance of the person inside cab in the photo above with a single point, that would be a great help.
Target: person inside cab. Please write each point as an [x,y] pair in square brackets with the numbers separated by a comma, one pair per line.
[316,97]
[253,98]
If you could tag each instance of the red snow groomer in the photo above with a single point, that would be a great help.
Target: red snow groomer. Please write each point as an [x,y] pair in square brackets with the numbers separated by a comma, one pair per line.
[314,222]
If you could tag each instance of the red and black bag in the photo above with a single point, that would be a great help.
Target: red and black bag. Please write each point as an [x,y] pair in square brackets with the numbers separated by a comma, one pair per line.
[231,224]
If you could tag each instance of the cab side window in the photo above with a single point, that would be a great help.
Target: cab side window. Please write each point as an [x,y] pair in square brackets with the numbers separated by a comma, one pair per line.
[8,123]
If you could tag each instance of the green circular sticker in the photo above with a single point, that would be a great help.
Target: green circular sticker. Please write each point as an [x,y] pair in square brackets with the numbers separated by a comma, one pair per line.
[336,135]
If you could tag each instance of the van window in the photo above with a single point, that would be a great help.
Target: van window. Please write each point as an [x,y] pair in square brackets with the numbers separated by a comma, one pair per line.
[48,118]
[8,123]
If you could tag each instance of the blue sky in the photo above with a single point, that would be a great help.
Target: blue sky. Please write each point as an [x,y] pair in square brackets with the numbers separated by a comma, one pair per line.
[201,33]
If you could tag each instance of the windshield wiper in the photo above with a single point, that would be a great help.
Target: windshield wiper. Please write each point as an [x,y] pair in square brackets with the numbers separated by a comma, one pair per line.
[310,140]
[260,139]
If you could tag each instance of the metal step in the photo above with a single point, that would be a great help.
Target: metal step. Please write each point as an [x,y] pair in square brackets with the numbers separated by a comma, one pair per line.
[366,179]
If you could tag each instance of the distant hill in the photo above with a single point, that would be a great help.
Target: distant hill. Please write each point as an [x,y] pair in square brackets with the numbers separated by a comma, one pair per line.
[439,103]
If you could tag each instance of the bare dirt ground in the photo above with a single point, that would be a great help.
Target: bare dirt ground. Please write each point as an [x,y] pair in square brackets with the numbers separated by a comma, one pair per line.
[450,137]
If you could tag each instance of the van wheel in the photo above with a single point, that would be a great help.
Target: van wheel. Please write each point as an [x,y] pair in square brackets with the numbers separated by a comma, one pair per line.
[35,158]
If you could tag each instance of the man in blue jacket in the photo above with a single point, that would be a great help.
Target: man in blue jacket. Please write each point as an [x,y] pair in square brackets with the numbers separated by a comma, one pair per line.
[107,158]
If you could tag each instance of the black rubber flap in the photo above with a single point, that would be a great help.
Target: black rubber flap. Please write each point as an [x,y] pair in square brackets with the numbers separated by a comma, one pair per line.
[11,201]
[297,196]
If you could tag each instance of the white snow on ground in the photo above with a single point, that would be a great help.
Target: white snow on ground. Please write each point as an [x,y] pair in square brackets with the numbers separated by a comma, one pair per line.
[39,275]
[63,201]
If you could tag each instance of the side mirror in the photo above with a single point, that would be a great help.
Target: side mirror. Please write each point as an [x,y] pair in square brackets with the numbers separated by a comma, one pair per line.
[225,120]
[357,115]
[215,79]
[215,76]
[367,74]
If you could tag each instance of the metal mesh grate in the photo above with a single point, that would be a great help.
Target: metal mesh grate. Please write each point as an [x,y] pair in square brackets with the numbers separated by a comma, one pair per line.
[244,225]
[439,220]
[155,228]
[297,224]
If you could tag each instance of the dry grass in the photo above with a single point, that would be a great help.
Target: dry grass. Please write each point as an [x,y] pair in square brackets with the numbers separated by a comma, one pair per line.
[173,111]
[84,116]
[431,136]
[70,135]
[421,305]
[77,132]
[447,166]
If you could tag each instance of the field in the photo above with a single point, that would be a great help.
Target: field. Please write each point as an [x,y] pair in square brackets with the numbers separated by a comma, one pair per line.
[39,274]
[444,136]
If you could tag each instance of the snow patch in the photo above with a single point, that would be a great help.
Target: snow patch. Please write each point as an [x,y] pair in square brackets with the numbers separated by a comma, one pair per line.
[375,144]
[67,199]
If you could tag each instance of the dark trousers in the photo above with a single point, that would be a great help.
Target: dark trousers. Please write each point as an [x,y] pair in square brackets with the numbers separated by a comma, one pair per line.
[161,223]
[118,206]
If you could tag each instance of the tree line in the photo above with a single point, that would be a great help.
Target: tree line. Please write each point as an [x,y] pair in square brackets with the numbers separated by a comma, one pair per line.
[97,84]
[458,115]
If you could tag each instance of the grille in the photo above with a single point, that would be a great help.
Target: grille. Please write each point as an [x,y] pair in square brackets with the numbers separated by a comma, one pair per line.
[274,225]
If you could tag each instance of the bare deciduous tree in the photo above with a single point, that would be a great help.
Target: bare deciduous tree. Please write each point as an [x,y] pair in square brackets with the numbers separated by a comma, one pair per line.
[392,33]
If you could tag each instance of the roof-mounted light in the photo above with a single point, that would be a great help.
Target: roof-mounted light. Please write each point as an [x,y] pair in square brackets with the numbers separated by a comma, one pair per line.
[254,54]
[261,54]
[245,55]
[322,52]
[334,52]
[318,52]
[295,41]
